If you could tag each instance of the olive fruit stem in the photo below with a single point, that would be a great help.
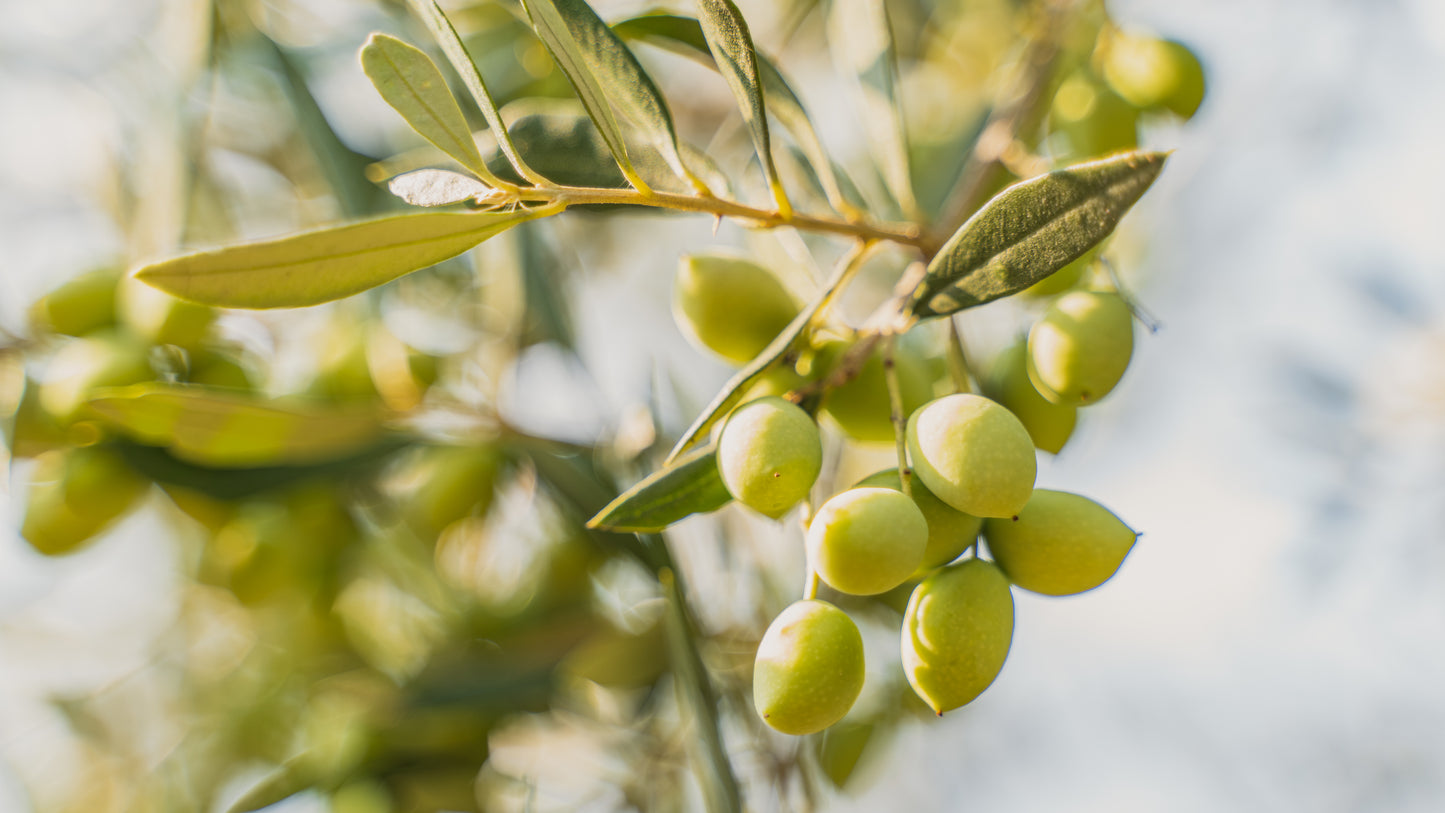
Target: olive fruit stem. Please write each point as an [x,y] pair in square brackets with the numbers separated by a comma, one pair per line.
[811,582]
[958,367]
[895,413]
[1148,320]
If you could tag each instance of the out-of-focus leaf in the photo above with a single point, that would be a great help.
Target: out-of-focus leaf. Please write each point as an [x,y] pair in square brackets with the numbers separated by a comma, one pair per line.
[235,484]
[863,43]
[235,430]
[327,264]
[684,36]
[409,81]
[839,749]
[1033,229]
[628,87]
[283,783]
[437,187]
[732,48]
[559,38]
[689,485]
[451,45]
[736,387]
[544,284]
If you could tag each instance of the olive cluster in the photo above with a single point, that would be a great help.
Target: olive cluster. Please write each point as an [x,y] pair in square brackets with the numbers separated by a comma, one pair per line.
[972,474]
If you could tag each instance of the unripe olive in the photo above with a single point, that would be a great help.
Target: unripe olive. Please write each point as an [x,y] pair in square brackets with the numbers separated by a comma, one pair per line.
[1154,73]
[107,359]
[861,407]
[769,454]
[973,454]
[1062,280]
[1060,544]
[809,668]
[866,541]
[1096,120]
[956,633]
[79,306]
[1048,423]
[160,318]
[1080,347]
[950,532]
[74,495]
[731,305]
[343,372]
[214,369]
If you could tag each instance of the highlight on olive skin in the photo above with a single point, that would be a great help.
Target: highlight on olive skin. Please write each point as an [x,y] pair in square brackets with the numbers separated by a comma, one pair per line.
[809,668]
[730,305]
[950,531]
[769,455]
[1081,346]
[1061,544]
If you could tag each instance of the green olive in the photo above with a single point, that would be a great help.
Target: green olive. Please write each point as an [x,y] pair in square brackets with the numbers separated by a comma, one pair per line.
[861,407]
[866,541]
[79,306]
[76,494]
[1096,120]
[1154,73]
[769,454]
[1080,347]
[809,668]
[160,318]
[956,633]
[731,305]
[1049,424]
[105,359]
[950,532]
[1060,544]
[973,454]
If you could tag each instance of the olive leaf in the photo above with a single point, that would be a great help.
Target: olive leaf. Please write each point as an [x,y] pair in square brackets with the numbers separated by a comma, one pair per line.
[411,83]
[732,47]
[327,264]
[437,187]
[684,36]
[235,430]
[560,41]
[1033,229]
[689,485]
[446,36]
[864,37]
[281,784]
[629,89]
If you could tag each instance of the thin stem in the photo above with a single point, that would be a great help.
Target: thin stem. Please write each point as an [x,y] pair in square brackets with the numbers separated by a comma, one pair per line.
[1147,319]
[908,234]
[811,582]
[958,366]
[895,413]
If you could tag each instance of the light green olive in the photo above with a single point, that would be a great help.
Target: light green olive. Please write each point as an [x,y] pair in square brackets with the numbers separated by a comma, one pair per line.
[861,407]
[950,532]
[769,454]
[1049,424]
[104,359]
[973,454]
[1154,73]
[866,541]
[1080,347]
[1061,544]
[76,494]
[731,305]
[956,633]
[79,306]
[160,318]
[1094,118]
[809,668]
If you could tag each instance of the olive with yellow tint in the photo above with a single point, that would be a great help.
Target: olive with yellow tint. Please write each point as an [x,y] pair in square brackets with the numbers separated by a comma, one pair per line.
[1060,544]
[769,453]
[74,495]
[973,454]
[956,633]
[861,406]
[1049,424]
[1080,347]
[809,668]
[731,305]
[950,531]
[866,541]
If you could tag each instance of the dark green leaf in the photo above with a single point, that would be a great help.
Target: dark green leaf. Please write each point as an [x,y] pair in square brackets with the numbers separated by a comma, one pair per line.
[1033,229]
[409,81]
[689,485]
[451,45]
[629,89]
[863,43]
[732,48]
[684,36]
[236,484]
[228,429]
[328,264]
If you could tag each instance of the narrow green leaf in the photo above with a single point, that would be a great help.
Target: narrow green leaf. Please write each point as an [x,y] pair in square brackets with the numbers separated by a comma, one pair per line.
[562,42]
[227,429]
[409,81]
[451,45]
[736,387]
[689,485]
[631,91]
[437,187]
[328,264]
[732,47]
[281,784]
[1033,229]
[863,45]
[684,36]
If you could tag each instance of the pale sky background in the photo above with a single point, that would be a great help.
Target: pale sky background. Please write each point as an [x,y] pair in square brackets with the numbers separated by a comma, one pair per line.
[1276,641]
